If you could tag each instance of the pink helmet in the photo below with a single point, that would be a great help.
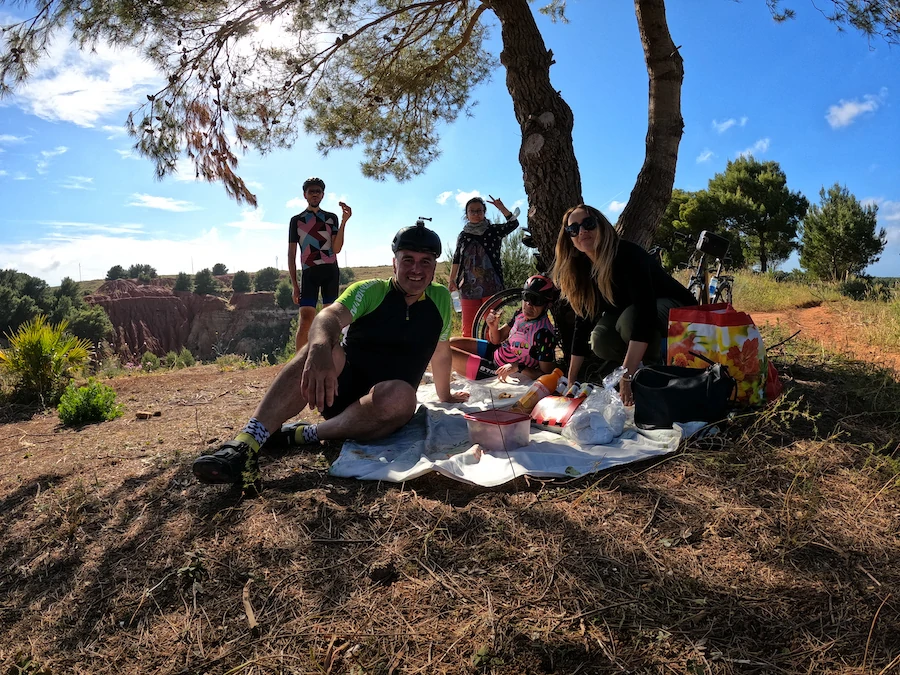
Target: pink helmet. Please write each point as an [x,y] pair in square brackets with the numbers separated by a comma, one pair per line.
[542,287]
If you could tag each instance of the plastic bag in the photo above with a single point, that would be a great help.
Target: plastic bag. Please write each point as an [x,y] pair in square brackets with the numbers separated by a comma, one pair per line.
[601,417]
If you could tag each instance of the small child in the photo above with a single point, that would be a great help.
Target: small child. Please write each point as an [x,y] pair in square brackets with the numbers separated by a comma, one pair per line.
[525,345]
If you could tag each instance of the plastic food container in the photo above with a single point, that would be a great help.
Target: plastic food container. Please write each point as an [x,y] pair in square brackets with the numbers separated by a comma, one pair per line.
[499,429]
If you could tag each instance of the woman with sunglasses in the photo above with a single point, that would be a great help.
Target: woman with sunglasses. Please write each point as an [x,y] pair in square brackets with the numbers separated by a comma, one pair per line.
[620,295]
[477,272]
[525,345]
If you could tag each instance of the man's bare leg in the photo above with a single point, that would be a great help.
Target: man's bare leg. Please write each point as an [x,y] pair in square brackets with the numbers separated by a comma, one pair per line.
[307,314]
[387,407]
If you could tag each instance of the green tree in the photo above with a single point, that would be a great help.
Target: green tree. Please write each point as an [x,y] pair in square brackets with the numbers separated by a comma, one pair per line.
[205,283]
[219,268]
[397,72]
[266,279]
[839,238]
[347,275]
[91,323]
[517,260]
[758,210]
[136,271]
[240,283]
[22,298]
[284,295]
[116,272]
[183,282]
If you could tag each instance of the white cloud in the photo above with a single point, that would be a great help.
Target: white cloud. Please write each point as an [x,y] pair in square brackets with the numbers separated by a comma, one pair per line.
[463,197]
[3,172]
[127,154]
[722,127]
[186,171]
[59,150]
[84,87]
[296,203]
[42,164]
[616,207]
[758,148]
[78,183]
[443,197]
[253,219]
[10,139]
[705,156]
[888,211]
[845,112]
[163,203]
[113,131]
[21,176]
[59,226]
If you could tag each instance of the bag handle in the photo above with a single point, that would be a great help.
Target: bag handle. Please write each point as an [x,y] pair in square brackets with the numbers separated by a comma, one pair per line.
[703,358]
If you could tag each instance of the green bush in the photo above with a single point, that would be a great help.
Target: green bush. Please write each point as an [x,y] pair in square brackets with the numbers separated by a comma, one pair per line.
[91,403]
[205,283]
[219,268]
[116,272]
[150,362]
[178,360]
[186,358]
[42,359]
[266,279]
[284,295]
[241,282]
[347,275]
[183,282]
[135,271]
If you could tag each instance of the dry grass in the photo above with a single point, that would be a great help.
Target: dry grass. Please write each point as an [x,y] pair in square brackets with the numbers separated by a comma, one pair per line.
[770,548]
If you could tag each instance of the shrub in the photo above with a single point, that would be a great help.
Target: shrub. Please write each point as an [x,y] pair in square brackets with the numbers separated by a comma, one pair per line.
[135,271]
[205,283]
[150,362]
[183,282]
[42,358]
[219,268]
[347,275]
[91,403]
[186,358]
[284,295]
[116,272]
[266,279]
[230,362]
[241,282]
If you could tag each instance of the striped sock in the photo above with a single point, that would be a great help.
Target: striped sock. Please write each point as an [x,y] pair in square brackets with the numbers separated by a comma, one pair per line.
[256,431]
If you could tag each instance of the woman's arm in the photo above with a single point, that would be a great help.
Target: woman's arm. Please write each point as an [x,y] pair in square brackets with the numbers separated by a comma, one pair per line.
[454,272]
[633,357]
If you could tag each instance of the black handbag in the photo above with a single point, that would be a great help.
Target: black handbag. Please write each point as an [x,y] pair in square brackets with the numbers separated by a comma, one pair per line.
[667,394]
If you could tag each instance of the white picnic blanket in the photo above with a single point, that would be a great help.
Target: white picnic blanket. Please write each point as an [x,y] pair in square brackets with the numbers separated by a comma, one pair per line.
[437,439]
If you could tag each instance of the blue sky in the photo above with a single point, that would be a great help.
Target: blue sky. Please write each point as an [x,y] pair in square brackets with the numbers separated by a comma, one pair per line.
[76,200]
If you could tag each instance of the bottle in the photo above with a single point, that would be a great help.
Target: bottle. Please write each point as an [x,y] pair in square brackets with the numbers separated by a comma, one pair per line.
[562,385]
[543,386]
[713,283]
[457,305]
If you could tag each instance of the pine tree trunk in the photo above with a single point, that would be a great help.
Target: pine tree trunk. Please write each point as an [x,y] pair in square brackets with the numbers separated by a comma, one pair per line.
[547,156]
[653,190]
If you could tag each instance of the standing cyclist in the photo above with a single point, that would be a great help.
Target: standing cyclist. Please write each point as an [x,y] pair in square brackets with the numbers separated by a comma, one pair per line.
[320,239]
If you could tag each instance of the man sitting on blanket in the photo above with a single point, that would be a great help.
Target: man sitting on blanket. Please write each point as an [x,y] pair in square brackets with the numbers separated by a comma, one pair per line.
[365,389]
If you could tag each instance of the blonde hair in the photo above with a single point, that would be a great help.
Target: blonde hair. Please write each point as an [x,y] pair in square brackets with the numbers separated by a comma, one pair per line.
[573,271]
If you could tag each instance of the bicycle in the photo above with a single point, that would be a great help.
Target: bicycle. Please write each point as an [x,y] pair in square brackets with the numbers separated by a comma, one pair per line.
[718,287]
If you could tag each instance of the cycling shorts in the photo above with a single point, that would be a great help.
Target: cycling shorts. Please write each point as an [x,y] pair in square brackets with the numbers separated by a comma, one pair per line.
[316,279]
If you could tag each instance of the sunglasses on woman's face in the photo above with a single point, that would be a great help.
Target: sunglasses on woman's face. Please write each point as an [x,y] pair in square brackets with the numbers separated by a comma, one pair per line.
[589,223]
[533,299]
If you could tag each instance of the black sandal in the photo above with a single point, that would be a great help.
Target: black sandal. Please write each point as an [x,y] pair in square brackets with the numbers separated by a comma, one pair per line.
[225,465]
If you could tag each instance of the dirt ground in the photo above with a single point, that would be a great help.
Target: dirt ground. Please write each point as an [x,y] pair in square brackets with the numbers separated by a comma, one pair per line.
[772,548]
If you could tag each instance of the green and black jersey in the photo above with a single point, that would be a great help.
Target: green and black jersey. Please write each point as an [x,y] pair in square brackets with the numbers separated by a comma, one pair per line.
[389,339]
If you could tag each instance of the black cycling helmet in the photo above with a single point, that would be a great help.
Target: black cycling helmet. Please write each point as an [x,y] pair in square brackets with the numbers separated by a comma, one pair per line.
[417,238]
[542,287]
[314,181]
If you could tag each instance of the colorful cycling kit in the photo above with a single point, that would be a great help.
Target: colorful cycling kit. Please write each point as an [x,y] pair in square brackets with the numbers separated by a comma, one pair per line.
[314,233]
[529,343]
[388,339]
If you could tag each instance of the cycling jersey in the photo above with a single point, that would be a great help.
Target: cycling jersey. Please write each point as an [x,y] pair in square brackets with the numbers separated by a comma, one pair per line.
[529,341]
[314,232]
[389,339]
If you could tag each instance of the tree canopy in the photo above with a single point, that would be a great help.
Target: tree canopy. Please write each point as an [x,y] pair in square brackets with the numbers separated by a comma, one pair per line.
[840,237]
[382,75]
[755,204]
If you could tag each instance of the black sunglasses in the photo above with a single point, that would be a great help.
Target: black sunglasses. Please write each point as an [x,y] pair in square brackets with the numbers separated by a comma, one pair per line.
[533,299]
[588,224]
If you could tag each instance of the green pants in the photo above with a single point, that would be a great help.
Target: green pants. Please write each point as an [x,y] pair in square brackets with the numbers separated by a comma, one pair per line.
[611,335]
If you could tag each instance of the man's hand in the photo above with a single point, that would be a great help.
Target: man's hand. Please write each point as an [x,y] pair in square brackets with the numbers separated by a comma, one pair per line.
[296,295]
[506,370]
[318,384]
[457,397]
[346,212]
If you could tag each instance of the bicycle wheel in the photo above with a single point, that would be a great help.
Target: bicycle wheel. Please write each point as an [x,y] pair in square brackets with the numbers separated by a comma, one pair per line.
[505,303]
[723,293]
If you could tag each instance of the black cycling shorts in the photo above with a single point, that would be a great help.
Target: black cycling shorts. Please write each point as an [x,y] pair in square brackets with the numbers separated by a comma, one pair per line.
[352,386]
[316,279]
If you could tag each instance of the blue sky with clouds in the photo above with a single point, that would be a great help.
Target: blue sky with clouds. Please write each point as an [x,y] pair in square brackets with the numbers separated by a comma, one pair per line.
[77,200]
